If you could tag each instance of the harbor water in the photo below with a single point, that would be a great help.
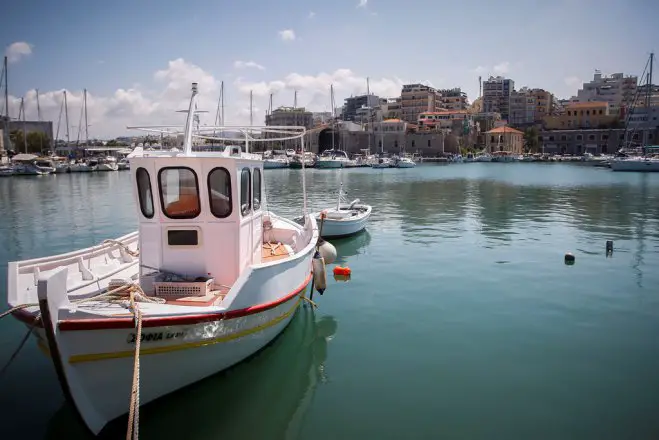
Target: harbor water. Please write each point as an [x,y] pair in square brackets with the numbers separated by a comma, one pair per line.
[461,319]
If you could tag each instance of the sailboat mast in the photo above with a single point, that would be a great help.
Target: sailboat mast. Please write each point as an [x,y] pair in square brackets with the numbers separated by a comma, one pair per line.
[6,90]
[24,130]
[86,123]
[39,119]
[66,118]
[333,112]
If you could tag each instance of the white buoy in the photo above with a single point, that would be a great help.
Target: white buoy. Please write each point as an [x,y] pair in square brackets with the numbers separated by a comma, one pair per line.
[319,275]
[327,251]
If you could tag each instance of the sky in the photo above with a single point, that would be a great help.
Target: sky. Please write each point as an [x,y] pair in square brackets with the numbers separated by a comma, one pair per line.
[138,58]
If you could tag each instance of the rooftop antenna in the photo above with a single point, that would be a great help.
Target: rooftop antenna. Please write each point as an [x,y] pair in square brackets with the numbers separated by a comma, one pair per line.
[86,123]
[480,87]
[368,88]
[218,118]
[6,89]
[187,139]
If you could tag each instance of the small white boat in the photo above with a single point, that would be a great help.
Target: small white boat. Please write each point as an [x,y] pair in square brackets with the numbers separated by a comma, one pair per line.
[210,278]
[80,167]
[275,162]
[108,163]
[405,162]
[123,164]
[382,162]
[345,219]
[333,159]
[639,164]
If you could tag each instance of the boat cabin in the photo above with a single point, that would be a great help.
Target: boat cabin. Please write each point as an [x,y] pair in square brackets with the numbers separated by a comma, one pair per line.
[199,216]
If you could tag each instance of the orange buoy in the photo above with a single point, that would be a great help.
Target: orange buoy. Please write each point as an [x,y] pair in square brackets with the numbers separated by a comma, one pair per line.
[345,271]
[343,278]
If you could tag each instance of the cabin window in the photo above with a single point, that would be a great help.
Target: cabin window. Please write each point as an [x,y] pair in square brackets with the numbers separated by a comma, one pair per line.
[144,192]
[179,192]
[187,237]
[244,191]
[256,189]
[219,192]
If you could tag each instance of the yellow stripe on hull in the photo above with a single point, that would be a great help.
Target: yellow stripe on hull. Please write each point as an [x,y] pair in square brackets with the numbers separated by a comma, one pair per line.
[158,350]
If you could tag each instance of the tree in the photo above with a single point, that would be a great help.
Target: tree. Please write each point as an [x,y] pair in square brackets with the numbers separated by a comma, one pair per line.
[17,140]
[37,142]
[531,139]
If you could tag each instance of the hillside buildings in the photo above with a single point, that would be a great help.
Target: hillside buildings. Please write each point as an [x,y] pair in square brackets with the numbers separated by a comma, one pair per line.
[290,116]
[496,95]
[418,98]
[617,90]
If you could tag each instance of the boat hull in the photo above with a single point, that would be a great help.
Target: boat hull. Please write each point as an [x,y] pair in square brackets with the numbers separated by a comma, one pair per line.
[328,164]
[344,228]
[272,165]
[647,165]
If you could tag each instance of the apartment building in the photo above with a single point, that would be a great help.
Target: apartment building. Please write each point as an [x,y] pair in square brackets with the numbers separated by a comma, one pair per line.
[522,107]
[544,104]
[616,89]
[290,116]
[353,104]
[391,109]
[445,120]
[453,99]
[416,99]
[496,95]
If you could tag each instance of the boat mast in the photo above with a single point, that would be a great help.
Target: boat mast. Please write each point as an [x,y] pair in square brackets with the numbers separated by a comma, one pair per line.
[66,117]
[22,109]
[648,99]
[333,112]
[6,90]
[251,109]
[187,136]
[39,119]
[86,124]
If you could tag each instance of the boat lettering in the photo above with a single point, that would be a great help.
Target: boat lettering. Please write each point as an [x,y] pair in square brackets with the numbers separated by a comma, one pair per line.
[157,336]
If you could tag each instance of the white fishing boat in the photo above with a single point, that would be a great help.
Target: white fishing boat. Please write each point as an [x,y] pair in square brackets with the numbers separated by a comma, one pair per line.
[344,219]
[123,164]
[211,278]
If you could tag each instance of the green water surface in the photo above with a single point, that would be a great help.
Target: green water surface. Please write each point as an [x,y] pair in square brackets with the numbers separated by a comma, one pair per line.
[461,320]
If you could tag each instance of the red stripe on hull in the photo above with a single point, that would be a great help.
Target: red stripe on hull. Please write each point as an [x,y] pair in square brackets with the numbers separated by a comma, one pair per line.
[120,323]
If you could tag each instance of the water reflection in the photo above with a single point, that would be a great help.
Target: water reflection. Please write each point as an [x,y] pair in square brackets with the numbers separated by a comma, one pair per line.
[265,397]
[351,246]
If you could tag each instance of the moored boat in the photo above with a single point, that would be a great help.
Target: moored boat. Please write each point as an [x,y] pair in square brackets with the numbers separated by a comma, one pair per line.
[210,278]
[344,219]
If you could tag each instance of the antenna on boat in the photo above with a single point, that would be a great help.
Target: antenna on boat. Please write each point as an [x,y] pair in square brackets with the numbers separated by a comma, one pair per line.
[187,139]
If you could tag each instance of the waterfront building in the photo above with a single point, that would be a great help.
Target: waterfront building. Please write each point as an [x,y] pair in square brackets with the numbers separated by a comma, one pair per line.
[453,99]
[582,115]
[290,116]
[616,89]
[496,95]
[595,141]
[642,93]
[504,138]
[418,98]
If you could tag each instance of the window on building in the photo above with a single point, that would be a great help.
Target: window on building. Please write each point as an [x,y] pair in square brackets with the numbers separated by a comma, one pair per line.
[581,112]
[587,112]
[256,189]
[491,140]
[412,143]
[245,195]
[605,137]
[551,138]
[601,112]
[591,137]
[569,113]
[144,192]
[579,137]
[563,137]
[219,192]
[179,192]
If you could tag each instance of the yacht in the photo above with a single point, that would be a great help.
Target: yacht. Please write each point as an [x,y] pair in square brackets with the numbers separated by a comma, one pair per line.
[333,159]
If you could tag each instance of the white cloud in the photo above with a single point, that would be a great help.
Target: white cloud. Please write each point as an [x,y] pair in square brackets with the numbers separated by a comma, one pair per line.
[18,50]
[479,70]
[170,91]
[573,81]
[501,68]
[312,14]
[362,3]
[246,64]
[287,35]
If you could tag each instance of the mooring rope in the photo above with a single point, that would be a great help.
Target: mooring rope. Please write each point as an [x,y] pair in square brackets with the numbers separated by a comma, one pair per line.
[132,433]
